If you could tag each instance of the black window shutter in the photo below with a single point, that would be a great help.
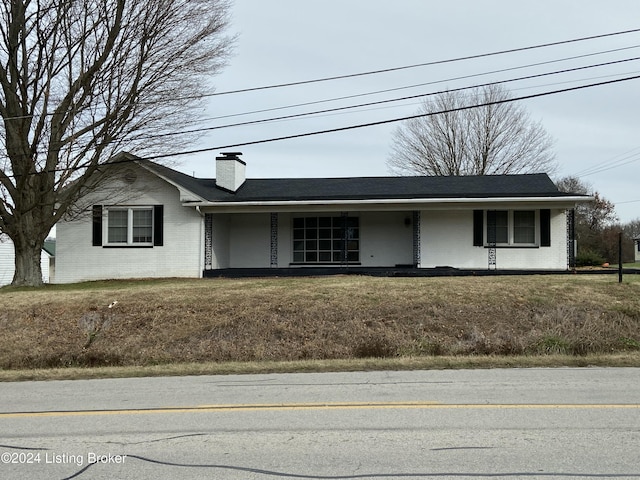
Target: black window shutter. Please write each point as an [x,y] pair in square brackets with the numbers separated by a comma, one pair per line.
[478,228]
[158,225]
[97,226]
[545,227]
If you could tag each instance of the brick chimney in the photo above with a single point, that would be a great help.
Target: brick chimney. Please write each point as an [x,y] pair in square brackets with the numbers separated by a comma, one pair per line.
[230,171]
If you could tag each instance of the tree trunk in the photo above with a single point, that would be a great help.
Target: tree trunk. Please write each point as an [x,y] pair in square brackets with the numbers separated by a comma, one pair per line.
[28,252]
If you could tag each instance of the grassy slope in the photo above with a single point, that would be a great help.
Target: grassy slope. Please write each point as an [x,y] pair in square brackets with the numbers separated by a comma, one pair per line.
[293,319]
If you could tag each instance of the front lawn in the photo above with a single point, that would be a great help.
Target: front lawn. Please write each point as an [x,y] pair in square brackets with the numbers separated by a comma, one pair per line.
[165,322]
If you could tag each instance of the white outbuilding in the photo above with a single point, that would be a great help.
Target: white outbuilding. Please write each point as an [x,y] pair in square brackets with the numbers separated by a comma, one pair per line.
[7,262]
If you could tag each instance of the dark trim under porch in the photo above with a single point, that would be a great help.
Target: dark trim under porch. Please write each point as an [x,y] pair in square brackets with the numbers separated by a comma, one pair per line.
[392,272]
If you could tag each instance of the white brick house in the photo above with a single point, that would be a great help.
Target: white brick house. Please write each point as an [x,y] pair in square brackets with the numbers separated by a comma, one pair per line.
[168,224]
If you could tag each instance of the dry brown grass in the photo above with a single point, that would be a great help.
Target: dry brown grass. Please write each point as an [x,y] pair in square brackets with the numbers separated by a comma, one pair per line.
[295,319]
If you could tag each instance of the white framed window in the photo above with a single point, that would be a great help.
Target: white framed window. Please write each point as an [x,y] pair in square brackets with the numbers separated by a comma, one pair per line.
[129,226]
[512,227]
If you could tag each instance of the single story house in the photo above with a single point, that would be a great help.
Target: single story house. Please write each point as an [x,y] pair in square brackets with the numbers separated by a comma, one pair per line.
[149,220]
[8,261]
[636,243]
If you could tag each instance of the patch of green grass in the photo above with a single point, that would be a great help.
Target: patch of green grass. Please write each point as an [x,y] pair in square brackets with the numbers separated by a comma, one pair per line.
[630,343]
[625,265]
[553,345]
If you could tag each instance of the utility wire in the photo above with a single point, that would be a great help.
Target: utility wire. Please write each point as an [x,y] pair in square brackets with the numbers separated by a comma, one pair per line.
[406,87]
[380,102]
[412,97]
[605,165]
[393,120]
[426,64]
[604,168]
[392,69]
[350,127]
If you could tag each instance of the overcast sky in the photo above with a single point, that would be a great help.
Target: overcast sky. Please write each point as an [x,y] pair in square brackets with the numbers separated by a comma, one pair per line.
[596,130]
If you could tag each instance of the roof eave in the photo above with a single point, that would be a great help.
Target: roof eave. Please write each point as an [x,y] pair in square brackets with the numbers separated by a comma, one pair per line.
[567,201]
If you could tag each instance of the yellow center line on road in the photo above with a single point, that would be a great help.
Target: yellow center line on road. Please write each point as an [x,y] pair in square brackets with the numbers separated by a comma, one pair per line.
[321,406]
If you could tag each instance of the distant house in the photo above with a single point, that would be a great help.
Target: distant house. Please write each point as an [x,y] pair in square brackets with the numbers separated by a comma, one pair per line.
[168,224]
[7,262]
[636,243]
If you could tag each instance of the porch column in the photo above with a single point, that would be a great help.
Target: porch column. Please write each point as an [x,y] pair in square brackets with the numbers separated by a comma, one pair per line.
[571,237]
[416,238]
[208,241]
[274,240]
[492,237]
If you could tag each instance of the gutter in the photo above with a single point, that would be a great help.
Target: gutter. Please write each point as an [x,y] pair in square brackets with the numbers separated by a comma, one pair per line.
[393,201]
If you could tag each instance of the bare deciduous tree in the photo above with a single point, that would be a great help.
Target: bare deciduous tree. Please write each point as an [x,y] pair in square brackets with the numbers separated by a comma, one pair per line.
[594,220]
[475,133]
[80,79]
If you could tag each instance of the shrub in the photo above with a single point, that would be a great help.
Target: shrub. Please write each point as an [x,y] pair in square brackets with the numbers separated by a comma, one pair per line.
[589,258]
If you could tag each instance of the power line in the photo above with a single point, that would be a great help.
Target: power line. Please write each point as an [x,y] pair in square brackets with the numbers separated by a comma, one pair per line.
[427,64]
[350,127]
[627,157]
[394,120]
[411,97]
[406,87]
[380,102]
[405,67]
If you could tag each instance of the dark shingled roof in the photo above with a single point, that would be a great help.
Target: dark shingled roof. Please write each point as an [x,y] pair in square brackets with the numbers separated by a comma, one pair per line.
[363,188]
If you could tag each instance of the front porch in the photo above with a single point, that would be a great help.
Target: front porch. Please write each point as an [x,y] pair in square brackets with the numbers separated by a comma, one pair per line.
[311,240]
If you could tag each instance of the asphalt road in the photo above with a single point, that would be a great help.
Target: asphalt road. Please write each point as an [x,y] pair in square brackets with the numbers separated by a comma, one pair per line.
[520,423]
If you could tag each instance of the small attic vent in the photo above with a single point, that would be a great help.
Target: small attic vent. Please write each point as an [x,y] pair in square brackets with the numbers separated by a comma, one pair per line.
[130,176]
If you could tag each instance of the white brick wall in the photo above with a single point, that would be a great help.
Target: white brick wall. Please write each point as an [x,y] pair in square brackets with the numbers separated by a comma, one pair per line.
[447,240]
[180,256]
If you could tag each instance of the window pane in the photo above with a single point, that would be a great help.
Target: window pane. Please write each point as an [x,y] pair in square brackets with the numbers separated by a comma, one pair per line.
[524,227]
[142,226]
[117,226]
[498,226]
[324,222]
[324,233]
[325,256]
